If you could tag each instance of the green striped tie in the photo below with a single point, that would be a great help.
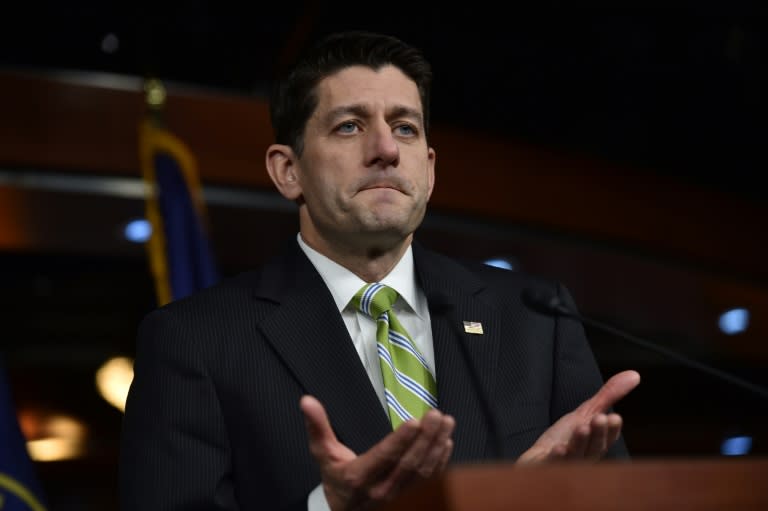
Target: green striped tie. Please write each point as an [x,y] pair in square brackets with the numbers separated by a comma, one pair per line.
[409,387]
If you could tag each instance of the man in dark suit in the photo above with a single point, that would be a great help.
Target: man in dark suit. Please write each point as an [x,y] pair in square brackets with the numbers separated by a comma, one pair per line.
[270,391]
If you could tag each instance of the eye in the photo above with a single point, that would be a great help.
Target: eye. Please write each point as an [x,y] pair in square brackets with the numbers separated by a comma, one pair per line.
[405,130]
[347,127]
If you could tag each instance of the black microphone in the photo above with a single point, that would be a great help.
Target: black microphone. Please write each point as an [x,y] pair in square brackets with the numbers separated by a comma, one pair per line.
[440,304]
[552,305]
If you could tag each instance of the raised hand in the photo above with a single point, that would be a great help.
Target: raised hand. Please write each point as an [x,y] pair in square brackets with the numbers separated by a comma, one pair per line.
[416,450]
[587,432]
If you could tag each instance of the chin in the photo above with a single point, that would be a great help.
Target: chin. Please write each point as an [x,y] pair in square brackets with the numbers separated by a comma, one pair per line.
[390,229]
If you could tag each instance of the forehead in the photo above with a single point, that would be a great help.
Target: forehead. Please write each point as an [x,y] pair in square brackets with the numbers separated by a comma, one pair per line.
[383,88]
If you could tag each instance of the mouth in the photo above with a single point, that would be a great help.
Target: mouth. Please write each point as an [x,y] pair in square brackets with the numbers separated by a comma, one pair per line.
[383,185]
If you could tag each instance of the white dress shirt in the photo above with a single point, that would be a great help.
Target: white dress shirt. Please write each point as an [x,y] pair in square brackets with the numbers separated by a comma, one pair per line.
[411,309]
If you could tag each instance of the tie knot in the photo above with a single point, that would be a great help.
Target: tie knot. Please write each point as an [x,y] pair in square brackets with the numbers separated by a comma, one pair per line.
[374,299]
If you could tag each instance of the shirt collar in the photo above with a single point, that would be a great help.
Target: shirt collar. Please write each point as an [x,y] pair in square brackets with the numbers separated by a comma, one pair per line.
[343,284]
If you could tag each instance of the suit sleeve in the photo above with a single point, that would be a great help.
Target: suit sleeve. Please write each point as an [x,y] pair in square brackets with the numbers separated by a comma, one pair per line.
[576,374]
[175,454]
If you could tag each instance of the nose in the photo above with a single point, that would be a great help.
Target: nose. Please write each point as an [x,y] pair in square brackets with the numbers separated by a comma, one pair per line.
[381,147]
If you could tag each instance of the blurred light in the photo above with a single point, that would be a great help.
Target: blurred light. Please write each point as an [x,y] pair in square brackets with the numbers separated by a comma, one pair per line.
[736,446]
[138,231]
[110,43]
[502,263]
[734,321]
[62,438]
[113,379]
[53,449]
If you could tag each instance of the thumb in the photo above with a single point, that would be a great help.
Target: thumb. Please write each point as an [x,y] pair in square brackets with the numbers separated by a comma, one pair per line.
[322,439]
[616,388]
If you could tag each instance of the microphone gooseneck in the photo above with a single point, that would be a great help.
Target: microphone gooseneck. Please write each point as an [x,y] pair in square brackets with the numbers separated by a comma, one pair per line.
[552,305]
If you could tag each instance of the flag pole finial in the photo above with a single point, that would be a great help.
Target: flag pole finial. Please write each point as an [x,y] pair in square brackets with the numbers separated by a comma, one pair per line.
[154,91]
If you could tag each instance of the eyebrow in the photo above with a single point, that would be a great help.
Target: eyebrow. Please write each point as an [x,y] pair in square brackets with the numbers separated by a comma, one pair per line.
[360,110]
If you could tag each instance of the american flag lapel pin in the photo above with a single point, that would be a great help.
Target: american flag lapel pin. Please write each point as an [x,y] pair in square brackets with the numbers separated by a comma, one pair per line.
[473,327]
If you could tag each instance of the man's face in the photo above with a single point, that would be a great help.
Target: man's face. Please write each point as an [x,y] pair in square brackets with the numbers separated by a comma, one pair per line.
[366,172]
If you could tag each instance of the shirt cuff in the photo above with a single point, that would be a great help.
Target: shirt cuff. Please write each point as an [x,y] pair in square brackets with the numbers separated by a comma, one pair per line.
[317,501]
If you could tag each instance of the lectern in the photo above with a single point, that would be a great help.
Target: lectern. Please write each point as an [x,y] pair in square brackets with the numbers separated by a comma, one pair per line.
[721,484]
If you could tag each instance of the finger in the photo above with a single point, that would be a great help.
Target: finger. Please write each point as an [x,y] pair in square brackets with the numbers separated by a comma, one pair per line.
[596,446]
[391,472]
[433,460]
[430,428]
[559,451]
[615,422]
[411,461]
[383,457]
[446,457]
[322,439]
[425,453]
[578,443]
[618,386]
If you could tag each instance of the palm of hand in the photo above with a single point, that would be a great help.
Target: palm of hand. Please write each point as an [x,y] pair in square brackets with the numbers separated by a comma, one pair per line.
[586,432]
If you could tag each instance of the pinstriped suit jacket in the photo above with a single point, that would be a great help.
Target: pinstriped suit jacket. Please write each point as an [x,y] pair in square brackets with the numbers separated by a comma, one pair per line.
[212,419]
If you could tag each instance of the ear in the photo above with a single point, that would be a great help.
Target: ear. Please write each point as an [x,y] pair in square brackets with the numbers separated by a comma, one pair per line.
[431,160]
[281,164]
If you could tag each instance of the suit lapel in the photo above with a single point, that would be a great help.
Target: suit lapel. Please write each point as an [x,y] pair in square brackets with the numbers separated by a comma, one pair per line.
[308,333]
[464,361]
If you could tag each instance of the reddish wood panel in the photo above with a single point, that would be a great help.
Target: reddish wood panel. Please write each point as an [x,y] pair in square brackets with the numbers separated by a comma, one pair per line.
[680,484]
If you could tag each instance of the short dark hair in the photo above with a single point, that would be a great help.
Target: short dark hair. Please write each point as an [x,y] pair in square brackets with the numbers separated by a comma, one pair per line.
[294,97]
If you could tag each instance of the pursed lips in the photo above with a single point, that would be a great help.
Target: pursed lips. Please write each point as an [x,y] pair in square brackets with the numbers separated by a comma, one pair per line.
[382,185]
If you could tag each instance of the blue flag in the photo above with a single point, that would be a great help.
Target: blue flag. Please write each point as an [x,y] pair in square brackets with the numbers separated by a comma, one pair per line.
[179,250]
[19,487]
